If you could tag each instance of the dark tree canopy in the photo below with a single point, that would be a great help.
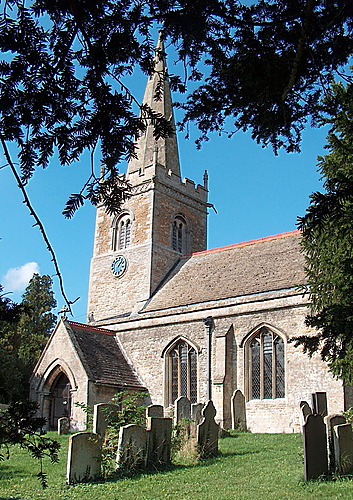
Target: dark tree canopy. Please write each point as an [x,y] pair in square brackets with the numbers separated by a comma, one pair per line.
[328,243]
[262,67]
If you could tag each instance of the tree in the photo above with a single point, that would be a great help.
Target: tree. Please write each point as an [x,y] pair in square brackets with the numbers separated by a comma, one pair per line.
[36,322]
[262,67]
[24,331]
[328,244]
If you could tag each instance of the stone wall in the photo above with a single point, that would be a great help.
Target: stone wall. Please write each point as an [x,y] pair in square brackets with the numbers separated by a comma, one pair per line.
[145,340]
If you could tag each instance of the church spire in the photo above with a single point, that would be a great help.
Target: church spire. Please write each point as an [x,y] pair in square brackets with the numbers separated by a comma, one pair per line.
[163,151]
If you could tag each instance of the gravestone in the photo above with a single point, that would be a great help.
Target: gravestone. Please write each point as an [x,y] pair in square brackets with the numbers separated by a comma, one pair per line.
[315,447]
[196,412]
[159,437]
[102,412]
[207,432]
[132,447]
[182,409]
[84,457]
[343,445]
[238,411]
[155,411]
[331,421]
[319,403]
[305,410]
[63,425]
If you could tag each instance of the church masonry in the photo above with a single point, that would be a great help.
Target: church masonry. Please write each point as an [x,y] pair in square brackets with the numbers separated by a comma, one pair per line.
[169,316]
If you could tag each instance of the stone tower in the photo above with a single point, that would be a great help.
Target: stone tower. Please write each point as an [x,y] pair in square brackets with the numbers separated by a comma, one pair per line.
[164,218]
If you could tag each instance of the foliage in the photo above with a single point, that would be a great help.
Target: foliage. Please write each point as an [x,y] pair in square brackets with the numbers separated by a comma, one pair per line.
[328,245]
[20,426]
[24,331]
[65,65]
[349,415]
[129,410]
[89,414]
[184,446]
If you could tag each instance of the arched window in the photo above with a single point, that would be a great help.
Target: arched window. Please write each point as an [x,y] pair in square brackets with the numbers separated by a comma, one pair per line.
[181,364]
[266,364]
[179,234]
[121,236]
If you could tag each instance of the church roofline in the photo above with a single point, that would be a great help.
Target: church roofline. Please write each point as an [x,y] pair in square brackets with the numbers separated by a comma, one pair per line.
[90,328]
[244,243]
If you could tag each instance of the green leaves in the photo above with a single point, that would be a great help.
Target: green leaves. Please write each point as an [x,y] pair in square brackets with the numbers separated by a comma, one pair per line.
[328,243]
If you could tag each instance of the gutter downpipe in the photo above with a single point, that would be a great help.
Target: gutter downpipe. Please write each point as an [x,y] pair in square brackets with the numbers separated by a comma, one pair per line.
[208,322]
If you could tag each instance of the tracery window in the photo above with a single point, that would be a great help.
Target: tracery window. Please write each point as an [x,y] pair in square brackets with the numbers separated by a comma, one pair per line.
[121,236]
[179,234]
[181,363]
[266,363]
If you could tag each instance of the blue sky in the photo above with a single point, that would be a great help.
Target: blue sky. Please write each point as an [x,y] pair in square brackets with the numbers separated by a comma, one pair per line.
[256,194]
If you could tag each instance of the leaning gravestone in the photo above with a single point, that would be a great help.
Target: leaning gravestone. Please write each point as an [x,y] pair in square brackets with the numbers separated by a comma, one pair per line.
[238,411]
[101,414]
[84,457]
[305,410]
[182,409]
[343,444]
[159,438]
[207,432]
[132,447]
[315,447]
[63,425]
[331,421]
[319,403]
[155,411]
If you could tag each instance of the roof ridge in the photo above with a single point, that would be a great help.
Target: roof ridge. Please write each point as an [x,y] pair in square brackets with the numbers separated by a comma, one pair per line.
[245,243]
[105,331]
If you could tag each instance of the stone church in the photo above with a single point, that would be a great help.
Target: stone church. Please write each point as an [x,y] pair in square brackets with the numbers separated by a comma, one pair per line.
[168,316]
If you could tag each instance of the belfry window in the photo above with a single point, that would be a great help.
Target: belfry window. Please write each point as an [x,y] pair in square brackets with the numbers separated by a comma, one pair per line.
[266,363]
[121,236]
[179,234]
[181,364]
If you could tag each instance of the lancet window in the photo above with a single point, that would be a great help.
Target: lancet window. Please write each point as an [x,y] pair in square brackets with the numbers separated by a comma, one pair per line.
[266,362]
[181,364]
[121,236]
[179,234]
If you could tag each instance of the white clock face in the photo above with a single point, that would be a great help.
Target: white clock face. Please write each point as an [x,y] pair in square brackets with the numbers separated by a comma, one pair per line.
[119,266]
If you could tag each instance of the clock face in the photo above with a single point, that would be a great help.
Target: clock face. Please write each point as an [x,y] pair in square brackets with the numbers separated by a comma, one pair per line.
[119,266]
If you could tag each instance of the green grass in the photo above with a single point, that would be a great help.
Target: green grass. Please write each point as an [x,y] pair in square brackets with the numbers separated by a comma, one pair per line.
[251,466]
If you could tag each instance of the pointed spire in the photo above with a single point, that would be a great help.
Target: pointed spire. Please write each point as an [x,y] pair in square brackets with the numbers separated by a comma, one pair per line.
[149,150]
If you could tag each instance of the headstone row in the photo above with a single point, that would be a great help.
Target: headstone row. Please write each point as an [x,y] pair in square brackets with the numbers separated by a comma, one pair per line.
[138,447]
[328,441]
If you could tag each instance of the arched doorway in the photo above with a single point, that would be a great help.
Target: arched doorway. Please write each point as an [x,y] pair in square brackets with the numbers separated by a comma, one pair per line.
[60,394]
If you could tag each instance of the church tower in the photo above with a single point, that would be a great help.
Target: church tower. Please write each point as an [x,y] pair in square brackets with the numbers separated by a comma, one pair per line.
[164,219]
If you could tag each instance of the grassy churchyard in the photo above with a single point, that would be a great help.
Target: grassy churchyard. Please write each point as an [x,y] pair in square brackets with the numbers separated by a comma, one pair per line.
[250,466]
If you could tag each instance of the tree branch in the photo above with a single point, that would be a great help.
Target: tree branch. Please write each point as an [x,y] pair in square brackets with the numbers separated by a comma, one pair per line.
[38,223]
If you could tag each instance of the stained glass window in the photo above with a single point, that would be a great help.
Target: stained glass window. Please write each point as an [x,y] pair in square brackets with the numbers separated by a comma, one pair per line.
[266,366]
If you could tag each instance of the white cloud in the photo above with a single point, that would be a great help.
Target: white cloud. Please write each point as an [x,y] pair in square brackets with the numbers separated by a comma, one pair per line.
[17,278]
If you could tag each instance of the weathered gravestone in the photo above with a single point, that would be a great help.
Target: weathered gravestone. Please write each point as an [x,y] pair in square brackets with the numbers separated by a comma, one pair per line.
[343,445]
[182,409]
[238,411]
[319,403]
[207,432]
[331,421]
[315,447]
[132,447]
[63,425]
[196,417]
[159,438]
[84,457]
[155,411]
[102,413]
[305,410]
[196,412]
